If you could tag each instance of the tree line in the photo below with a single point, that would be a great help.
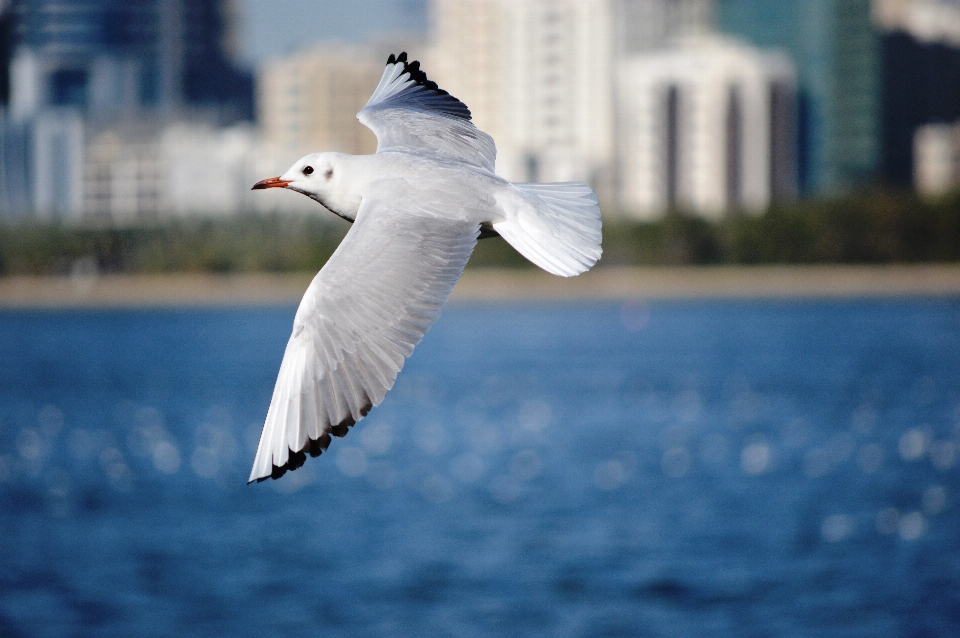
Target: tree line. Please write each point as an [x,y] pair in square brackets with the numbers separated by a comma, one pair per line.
[870,228]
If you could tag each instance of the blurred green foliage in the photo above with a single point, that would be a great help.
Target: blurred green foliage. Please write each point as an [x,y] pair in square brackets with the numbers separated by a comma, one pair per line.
[879,227]
[269,243]
[871,228]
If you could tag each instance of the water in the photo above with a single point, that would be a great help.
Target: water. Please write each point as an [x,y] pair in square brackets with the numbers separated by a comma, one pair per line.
[663,469]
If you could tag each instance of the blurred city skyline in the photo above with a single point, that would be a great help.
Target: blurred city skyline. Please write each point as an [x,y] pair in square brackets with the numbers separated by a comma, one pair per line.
[708,106]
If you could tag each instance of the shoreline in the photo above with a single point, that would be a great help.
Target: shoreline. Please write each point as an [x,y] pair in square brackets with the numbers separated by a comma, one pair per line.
[498,285]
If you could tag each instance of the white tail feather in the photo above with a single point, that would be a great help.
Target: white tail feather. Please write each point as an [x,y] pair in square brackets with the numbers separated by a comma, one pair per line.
[556,226]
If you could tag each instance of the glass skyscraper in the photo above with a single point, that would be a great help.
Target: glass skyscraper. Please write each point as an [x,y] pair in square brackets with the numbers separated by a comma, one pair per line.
[835,48]
[98,54]
[79,67]
[921,85]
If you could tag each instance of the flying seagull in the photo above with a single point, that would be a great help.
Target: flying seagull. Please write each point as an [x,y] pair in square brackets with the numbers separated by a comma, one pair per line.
[418,206]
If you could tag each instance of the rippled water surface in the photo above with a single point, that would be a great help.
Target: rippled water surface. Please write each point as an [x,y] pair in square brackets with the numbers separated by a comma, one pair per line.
[664,469]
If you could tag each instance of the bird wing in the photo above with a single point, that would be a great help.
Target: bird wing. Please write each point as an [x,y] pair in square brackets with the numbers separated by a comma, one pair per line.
[407,112]
[360,318]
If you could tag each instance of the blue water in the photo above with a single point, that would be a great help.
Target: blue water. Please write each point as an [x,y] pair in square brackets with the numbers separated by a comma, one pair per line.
[664,469]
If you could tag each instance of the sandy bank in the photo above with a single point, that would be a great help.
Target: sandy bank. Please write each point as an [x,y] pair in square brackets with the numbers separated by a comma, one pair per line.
[498,285]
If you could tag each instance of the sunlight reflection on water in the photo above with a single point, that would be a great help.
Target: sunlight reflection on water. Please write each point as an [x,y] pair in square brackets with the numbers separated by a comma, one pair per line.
[688,468]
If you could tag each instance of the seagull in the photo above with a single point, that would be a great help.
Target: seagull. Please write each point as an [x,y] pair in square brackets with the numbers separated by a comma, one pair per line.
[418,206]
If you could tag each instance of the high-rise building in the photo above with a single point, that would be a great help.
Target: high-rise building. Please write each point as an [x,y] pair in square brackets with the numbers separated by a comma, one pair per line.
[86,64]
[926,20]
[135,172]
[105,56]
[538,75]
[308,101]
[835,48]
[6,50]
[936,159]
[921,86]
[566,89]
[645,25]
[920,52]
[706,125]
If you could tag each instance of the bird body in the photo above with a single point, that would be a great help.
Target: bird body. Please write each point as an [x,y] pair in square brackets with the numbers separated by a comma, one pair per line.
[418,206]
[357,176]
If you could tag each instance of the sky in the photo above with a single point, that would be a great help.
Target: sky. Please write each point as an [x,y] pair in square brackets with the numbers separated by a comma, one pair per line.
[275,27]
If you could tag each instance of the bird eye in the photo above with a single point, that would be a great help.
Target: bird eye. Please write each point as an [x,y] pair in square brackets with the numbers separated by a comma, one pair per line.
[307,170]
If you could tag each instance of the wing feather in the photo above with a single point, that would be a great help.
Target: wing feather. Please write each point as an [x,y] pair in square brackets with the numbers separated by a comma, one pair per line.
[408,112]
[360,318]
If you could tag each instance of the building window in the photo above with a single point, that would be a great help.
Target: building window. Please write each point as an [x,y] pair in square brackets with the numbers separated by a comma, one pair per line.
[672,132]
[68,87]
[734,162]
[782,170]
[61,179]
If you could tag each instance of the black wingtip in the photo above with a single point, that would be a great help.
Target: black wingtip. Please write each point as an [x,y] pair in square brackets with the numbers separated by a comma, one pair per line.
[398,59]
[451,105]
[314,447]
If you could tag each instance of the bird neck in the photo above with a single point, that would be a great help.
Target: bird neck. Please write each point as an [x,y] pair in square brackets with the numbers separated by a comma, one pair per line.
[343,199]
[339,206]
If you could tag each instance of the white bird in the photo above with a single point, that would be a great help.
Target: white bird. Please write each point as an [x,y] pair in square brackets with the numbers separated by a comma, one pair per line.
[418,206]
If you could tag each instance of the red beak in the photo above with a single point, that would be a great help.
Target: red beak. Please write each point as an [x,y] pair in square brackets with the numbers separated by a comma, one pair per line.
[270,182]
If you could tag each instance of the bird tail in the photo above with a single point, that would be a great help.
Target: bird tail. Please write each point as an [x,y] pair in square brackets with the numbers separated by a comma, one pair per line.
[556,226]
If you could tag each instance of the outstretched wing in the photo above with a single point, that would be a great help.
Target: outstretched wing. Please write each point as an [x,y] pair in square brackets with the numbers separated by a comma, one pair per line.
[408,112]
[360,318]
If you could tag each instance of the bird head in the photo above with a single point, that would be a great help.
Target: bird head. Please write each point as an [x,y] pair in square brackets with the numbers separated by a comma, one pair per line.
[313,175]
